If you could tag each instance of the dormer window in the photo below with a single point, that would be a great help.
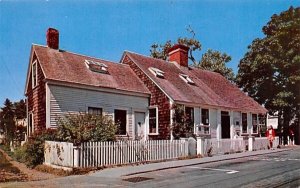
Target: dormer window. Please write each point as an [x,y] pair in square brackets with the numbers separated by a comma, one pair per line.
[96,66]
[157,72]
[186,78]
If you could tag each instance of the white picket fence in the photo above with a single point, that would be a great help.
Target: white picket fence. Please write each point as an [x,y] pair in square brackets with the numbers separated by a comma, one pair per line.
[96,154]
[224,146]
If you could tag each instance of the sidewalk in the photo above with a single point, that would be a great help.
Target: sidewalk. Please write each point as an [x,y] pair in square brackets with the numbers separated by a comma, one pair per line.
[132,170]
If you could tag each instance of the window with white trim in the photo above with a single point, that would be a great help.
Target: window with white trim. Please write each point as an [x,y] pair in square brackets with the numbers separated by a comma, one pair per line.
[95,111]
[187,79]
[157,72]
[153,120]
[254,123]
[34,74]
[97,66]
[244,123]
[30,122]
[121,121]
[205,116]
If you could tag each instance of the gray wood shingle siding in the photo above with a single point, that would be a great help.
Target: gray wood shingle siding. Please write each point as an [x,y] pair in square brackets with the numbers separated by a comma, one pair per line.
[64,100]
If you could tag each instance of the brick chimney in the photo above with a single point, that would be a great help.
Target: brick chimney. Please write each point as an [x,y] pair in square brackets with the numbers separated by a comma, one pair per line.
[52,38]
[179,53]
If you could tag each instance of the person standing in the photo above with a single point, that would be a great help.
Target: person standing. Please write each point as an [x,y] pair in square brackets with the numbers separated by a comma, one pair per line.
[271,136]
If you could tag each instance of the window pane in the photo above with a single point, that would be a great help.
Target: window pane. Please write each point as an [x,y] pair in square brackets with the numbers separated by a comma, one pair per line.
[95,111]
[205,116]
[120,119]
[254,123]
[152,120]
[244,123]
[189,112]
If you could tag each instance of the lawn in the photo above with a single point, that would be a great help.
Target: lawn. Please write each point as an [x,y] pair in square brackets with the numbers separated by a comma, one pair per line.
[8,172]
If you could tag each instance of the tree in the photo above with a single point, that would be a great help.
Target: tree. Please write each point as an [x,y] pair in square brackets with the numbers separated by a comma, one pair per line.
[216,61]
[270,70]
[211,60]
[20,109]
[7,120]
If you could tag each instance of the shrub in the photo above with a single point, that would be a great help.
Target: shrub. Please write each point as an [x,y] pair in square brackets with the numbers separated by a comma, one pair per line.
[34,147]
[78,128]
[182,127]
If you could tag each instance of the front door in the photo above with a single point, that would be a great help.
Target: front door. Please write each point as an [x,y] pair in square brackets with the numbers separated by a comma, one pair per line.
[225,124]
[139,128]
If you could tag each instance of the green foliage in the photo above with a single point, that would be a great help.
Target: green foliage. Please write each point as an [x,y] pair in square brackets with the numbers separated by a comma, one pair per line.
[216,61]
[10,112]
[34,148]
[77,128]
[270,70]
[181,126]
[211,60]
[7,123]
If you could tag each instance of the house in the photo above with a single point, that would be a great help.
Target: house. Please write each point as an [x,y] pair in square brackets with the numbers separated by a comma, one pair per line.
[139,92]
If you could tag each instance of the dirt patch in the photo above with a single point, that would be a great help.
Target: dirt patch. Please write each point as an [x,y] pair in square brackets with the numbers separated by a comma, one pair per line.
[8,172]
[14,171]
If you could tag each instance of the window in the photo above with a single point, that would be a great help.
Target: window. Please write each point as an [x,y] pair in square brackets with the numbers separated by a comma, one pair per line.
[189,113]
[30,124]
[244,123]
[153,121]
[254,123]
[34,74]
[157,72]
[96,66]
[95,111]
[186,78]
[121,120]
[205,116]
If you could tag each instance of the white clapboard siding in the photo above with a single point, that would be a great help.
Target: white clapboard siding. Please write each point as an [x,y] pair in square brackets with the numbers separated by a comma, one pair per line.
[59,153]
[69,100]
[95,154]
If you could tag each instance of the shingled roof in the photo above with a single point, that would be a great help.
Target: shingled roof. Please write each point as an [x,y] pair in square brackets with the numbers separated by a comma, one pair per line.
[210,88]
[63,66]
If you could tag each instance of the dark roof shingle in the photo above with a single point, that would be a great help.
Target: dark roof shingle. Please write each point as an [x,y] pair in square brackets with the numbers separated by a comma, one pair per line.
[69,67]
[210,88]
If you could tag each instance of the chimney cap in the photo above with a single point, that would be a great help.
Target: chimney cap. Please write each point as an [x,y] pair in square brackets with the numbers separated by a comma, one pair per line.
[178,46]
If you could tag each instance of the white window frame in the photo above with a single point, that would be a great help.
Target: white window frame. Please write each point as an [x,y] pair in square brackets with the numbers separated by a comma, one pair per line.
[242,131]
[34,80]
[156,133]
[127,122]
[87,109]
[187,79]
[102,66]
[202,126]
[256,124]
[30,131]
[157,72]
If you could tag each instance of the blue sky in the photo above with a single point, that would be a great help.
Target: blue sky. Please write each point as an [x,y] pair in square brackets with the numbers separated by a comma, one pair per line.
[104,29]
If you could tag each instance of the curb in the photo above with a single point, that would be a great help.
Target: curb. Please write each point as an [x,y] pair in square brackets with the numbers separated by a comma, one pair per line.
[206,162]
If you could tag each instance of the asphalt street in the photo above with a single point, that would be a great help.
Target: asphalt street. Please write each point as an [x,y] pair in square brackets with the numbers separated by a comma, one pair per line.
[281,169]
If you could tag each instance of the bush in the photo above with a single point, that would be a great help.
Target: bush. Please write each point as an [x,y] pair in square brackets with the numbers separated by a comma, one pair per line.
[78,128]
[34,147]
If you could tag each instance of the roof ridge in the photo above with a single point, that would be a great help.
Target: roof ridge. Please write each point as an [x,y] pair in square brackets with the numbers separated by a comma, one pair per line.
[78,54]
[145,56]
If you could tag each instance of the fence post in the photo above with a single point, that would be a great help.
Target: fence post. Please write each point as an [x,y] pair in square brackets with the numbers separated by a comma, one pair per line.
[200,145]
[76,150]
[251,143]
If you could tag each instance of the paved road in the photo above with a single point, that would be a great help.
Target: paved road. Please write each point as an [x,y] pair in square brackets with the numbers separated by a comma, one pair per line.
[280,169]
[273,170]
